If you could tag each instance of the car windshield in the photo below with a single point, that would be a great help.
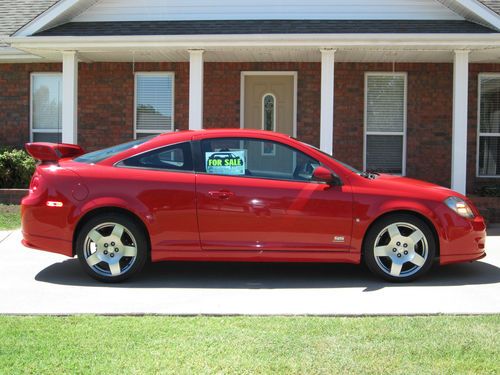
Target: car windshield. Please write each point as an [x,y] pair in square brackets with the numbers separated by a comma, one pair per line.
[99,155]
[352,169]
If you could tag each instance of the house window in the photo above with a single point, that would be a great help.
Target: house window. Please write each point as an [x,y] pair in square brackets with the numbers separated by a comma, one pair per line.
[46,107]
[154,103]
[489,126]
[268,121]
[385,122]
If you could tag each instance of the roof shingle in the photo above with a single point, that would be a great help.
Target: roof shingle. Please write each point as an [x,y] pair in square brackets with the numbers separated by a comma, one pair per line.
[14,14]
[264,27]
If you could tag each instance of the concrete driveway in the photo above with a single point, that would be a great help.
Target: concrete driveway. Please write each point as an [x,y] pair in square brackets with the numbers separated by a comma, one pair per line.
[35,282]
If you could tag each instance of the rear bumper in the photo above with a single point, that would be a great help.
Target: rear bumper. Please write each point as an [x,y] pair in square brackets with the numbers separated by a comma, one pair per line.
[45,228]
[49,244]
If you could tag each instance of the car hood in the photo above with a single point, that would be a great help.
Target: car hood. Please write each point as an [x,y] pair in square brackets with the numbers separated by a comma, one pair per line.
[414,187]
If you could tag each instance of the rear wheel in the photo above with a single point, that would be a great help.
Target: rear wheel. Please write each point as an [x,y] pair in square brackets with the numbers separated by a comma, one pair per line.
[111,247]
[399,248]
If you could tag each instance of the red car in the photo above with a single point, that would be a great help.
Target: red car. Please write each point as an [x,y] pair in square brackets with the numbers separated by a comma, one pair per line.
[238,195]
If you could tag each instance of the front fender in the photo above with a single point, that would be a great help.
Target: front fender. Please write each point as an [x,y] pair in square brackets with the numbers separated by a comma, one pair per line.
[366,215]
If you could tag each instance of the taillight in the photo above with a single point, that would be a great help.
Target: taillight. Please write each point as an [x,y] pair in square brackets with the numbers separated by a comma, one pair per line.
[34,184]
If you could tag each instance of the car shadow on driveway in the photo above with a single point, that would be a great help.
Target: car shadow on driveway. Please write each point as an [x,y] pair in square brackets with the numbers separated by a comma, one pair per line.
[268,276]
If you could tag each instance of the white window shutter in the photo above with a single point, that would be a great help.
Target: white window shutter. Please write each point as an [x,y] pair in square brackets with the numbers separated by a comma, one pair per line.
[489,126]
[46,107]
[385,122]
[154,103]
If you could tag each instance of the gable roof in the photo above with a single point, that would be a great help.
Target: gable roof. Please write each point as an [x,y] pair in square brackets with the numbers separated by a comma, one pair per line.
[14,14]
[28,17]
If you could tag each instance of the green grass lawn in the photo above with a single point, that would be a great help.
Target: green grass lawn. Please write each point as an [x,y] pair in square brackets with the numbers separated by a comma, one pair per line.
[250,345]
[10,216]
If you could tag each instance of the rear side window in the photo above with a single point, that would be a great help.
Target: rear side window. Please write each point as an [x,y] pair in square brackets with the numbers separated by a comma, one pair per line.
[97,156]
[176,157]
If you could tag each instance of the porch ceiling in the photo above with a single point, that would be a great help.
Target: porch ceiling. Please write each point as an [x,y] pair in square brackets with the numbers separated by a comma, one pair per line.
[437,54]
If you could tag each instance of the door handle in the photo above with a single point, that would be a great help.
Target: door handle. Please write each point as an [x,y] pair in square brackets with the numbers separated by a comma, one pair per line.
[221,194]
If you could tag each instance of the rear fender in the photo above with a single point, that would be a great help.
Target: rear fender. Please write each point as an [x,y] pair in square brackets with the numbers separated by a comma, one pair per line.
[137,208]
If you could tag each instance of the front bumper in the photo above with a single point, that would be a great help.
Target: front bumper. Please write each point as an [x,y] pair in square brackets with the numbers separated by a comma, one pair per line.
[464,240]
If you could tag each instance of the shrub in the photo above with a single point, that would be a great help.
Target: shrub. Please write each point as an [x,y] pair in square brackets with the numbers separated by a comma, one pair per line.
[16,169]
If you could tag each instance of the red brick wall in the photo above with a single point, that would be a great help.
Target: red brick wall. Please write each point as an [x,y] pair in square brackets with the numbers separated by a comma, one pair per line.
[15,101]
[106,101]
[222,85]
[429,109]
[429,106]
[106,98]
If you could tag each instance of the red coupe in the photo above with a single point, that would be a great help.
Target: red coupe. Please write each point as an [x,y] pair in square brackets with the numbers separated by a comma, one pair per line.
[238,195]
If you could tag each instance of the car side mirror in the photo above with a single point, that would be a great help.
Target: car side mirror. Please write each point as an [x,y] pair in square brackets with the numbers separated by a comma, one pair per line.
[323,174]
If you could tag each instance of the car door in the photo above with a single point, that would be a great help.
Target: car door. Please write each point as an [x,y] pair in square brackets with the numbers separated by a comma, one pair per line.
[250,199]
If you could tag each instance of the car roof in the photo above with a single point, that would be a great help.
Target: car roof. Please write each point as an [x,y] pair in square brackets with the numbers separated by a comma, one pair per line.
[189,135]
[226,132]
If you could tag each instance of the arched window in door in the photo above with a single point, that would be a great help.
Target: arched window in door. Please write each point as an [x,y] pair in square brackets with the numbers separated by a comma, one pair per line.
[268,121]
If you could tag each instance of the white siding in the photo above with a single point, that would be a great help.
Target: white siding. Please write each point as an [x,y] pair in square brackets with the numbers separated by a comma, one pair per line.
[149,10]
[71,12]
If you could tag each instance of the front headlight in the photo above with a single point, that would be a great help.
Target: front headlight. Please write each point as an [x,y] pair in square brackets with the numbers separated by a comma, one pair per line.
[459,206]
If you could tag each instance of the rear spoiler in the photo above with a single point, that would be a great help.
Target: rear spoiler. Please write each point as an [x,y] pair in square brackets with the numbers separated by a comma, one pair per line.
[52,152]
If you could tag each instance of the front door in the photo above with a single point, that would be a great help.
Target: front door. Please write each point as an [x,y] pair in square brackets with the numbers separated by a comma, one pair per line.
[269,103]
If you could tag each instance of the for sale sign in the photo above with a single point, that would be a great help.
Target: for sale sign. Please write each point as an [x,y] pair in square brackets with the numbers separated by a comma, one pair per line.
[225,162]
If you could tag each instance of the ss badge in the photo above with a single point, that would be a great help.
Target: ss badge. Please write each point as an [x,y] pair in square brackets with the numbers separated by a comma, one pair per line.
[338,239]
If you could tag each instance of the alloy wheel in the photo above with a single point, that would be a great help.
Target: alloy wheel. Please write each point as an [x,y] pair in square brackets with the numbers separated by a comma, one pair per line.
[401,249]
[110,249]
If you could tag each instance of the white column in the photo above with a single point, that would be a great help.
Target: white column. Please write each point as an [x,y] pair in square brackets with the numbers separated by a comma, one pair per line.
[327,88]
[460,114]
[70,97]
[196,89]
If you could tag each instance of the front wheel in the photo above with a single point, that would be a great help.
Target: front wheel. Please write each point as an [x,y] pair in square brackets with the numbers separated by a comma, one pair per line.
[111,247]
[399,248]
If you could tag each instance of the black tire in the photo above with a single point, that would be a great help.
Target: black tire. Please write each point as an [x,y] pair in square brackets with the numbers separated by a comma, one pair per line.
[386,252]
[102,255]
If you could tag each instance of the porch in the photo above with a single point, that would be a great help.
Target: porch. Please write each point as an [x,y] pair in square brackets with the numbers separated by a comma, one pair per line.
[439,137]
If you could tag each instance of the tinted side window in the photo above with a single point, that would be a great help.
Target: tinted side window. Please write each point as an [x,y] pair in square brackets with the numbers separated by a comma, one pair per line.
[99,155]
[250,157]
[175,157]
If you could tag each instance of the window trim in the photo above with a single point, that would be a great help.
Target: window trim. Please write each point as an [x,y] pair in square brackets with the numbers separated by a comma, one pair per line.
[405,117]
[32,130]
[153,73]
[480,76]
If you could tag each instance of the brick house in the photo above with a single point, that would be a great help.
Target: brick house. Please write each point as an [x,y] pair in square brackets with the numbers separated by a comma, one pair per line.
[410,87]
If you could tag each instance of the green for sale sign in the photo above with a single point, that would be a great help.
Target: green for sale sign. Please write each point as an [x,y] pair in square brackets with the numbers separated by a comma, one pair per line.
[225,162]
